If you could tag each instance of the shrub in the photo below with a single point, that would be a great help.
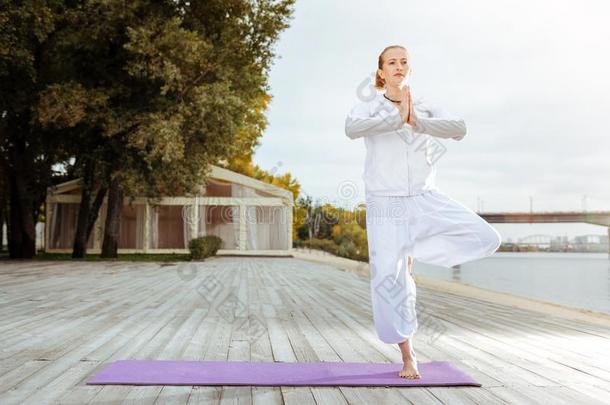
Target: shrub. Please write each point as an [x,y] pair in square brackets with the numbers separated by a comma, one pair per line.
[347,248]
[204,246]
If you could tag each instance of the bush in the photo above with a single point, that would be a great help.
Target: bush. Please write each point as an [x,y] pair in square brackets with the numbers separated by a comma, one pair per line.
[204,246]
[347,248]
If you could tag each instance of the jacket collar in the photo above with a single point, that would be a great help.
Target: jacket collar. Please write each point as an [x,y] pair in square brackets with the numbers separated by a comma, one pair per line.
[417,101]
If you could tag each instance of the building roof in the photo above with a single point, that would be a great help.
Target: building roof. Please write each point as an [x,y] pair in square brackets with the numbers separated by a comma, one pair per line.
[217,173]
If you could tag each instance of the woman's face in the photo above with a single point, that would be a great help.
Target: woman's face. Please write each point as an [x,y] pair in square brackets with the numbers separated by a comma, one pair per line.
[395,69]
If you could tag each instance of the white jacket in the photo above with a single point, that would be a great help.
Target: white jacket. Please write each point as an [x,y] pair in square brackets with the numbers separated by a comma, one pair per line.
[400,158]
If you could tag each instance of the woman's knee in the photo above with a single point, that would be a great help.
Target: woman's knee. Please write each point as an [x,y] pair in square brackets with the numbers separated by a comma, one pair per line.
[380,268]
[492,239]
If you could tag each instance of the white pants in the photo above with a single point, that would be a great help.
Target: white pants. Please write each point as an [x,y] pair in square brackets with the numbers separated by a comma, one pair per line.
[432,228]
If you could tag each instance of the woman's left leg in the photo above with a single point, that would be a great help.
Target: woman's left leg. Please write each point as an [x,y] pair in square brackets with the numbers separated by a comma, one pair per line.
[392,289]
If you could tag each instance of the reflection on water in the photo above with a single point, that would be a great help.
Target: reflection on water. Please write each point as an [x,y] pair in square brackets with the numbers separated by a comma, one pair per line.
[580,280]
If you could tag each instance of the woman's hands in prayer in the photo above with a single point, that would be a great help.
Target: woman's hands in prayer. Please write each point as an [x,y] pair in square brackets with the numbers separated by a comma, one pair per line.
[406,106]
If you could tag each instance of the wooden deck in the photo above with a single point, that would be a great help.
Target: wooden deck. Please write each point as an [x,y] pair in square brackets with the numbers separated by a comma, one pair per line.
[61,322]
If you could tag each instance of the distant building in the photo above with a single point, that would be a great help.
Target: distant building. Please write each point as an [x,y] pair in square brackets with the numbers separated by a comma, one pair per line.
[560,244]
[591,243]
[250,216]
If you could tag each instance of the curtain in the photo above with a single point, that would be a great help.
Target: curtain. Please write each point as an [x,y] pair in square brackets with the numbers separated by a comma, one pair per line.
[63,225]
[154,227]
[252,215]
[131,229]
[140,218]
[266,226]
[274,228]
[167,227]
[220,220]
[202,228]
[187,220]
[53,225]
[236,191]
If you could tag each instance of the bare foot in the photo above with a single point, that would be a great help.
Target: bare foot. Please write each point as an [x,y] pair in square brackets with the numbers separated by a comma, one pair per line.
[409,370]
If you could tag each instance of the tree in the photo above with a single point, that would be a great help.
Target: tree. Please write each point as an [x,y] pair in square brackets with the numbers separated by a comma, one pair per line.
[151,92]
[29,31]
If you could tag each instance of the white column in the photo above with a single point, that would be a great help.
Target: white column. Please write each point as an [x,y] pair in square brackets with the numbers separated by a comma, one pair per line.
[290,213]
[242,227]
[195,217]
[146,227]
[47,217]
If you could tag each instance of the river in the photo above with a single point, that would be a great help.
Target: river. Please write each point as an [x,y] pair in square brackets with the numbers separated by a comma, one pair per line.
[578,280]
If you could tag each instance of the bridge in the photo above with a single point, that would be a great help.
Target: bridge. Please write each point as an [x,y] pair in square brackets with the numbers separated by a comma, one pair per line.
[588,217]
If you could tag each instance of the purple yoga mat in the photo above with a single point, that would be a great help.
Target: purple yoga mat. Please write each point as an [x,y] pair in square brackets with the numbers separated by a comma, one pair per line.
[174,372]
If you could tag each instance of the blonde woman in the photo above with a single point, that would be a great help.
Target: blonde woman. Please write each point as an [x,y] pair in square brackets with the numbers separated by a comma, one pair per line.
[407,216]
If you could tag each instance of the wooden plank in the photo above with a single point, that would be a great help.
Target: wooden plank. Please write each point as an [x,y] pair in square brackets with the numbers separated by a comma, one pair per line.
[63,321]
[260,342]
[342,350]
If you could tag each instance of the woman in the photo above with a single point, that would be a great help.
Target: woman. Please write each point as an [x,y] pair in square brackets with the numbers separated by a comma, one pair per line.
[407,216]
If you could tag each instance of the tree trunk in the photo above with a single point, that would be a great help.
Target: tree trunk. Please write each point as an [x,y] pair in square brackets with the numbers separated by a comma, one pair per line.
[113,219]
[95,208]
[4,193]
[1,224]
[87,213]
[22,238]
[79,248]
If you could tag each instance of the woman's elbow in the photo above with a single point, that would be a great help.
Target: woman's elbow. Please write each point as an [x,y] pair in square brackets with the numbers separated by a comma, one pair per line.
[461,132]
[351,134]
[350,129]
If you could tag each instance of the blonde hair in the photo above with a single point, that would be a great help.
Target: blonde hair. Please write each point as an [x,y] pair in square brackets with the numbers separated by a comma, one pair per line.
[379,82]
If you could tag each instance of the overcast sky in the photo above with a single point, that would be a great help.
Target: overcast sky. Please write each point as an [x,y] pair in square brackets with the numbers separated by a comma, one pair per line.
[530,78]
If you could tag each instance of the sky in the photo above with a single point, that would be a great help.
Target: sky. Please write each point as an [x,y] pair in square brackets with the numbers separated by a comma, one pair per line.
[530,79]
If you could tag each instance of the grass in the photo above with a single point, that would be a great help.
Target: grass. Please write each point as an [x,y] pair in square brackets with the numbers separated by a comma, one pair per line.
[127,257]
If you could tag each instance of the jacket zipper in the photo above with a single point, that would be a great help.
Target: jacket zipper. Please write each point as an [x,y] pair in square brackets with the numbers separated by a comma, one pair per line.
[408,171]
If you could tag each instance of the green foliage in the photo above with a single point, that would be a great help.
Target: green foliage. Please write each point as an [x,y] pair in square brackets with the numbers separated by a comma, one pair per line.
[346,248]
[169,85]
[326,245]
[127,257]
[153,91]
[336,230]
[150,92]
[314,219]
[352,240]
[204,246]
